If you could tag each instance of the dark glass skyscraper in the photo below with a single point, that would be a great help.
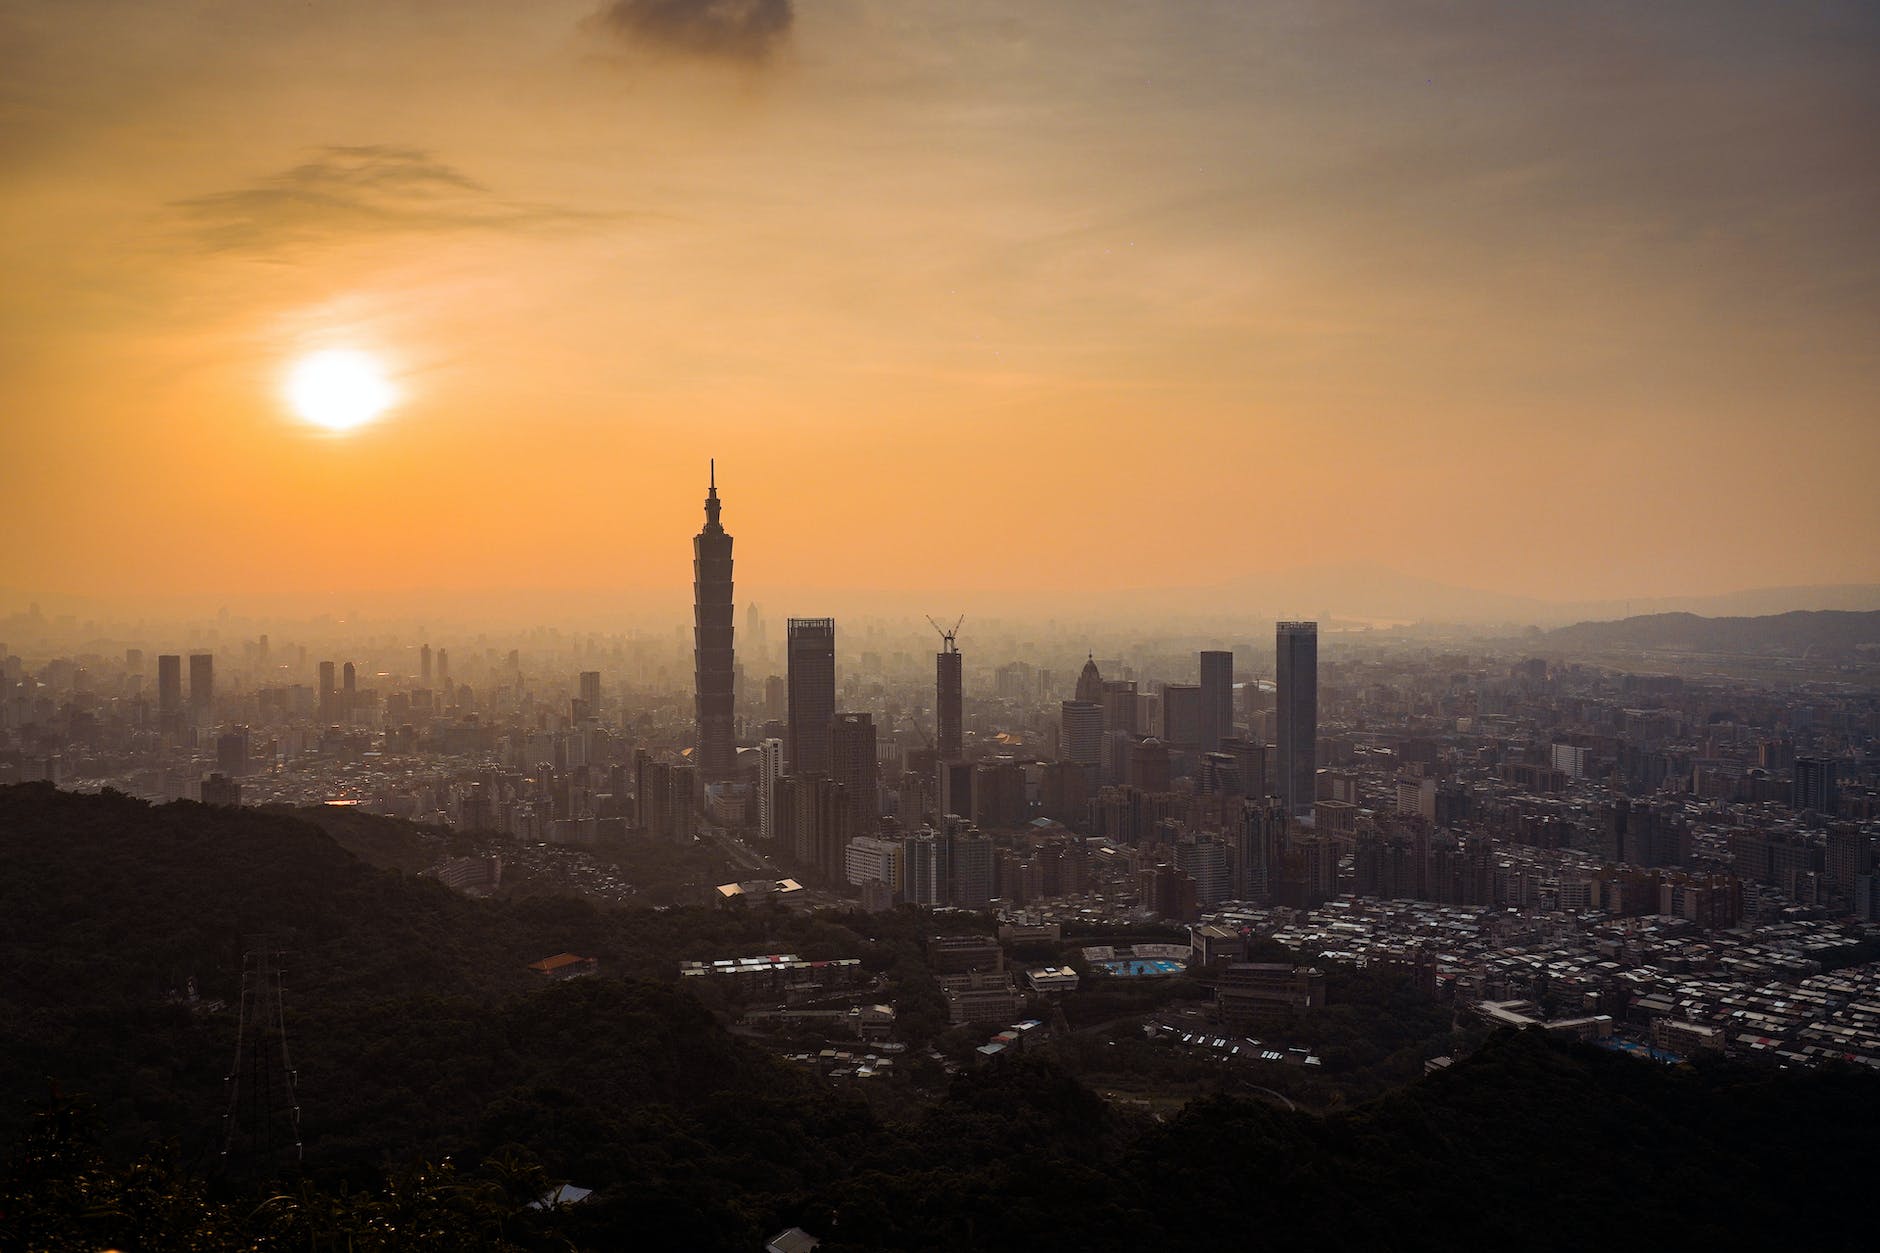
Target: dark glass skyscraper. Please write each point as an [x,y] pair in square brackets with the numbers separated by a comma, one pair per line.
[853,749]
[201,685]
[170,688]
[1217,699]
[1296,669]
[812,678]
[715,669]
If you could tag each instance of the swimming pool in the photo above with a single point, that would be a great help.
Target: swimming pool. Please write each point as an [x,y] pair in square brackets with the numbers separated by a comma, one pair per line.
[1141,967]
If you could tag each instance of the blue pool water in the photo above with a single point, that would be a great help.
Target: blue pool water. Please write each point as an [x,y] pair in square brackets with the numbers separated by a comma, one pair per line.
[1138,967]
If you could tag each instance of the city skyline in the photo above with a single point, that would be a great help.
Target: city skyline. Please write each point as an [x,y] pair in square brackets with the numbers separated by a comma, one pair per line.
[1295,599]
[1458,288]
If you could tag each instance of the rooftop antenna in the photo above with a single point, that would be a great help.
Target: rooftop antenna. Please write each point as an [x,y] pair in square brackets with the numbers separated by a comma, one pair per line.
[946,636]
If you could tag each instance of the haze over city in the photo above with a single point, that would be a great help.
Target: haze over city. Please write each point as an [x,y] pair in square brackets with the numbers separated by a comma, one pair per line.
[861,625]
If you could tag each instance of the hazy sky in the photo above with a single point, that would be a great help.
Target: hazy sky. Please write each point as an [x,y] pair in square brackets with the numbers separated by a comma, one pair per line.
[1569,300]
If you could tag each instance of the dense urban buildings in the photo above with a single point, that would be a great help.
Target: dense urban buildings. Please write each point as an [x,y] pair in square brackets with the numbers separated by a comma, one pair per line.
[1549,800]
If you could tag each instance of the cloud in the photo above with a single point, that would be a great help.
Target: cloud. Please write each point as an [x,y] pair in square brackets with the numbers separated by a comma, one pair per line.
[345,192]
[740,30]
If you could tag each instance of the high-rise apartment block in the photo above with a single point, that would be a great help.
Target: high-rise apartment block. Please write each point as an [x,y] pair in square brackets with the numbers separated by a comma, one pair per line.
[769,773]
[1815,785]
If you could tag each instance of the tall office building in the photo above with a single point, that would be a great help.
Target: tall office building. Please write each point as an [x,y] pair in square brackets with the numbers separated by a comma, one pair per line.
[169,688]
[769,773]
[854,767]
[424,665]
[1181,714]
[715,672]
[1080,734]
[201,685]
[1122,708]
[1217,699]
[1090,683]
[591,692]
[1296,669]
[947,704]
[327,698]
[443,667]
[812,680]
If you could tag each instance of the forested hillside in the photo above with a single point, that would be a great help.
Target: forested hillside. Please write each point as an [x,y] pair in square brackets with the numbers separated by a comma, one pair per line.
[421,1036]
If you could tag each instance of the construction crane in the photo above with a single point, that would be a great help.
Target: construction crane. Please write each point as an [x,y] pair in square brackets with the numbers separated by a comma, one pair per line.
[946,636]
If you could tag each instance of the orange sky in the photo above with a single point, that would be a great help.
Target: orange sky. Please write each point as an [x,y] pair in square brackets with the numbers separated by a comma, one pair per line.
[1568,302]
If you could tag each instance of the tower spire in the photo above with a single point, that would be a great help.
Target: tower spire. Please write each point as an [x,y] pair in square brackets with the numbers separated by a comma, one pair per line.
[712,505]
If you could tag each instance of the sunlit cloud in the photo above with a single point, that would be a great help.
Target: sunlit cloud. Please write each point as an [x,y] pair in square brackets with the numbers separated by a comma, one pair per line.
[744,30]
[347,191]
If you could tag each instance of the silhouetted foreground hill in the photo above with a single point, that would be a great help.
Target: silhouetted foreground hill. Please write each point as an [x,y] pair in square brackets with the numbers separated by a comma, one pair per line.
[420,1035]
[1816,633]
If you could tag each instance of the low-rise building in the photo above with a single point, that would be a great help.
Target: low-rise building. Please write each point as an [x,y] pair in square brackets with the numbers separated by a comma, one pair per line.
[1255,996]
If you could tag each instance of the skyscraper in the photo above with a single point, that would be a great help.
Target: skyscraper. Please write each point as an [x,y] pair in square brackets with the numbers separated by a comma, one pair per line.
[1296,669]
[169,689]
[852,747]
[812,680]
[1181,714]
[591,692]
[1080,735]
[201,685]
[769,774]
[1217,699]
[950,743]
[1815,786]
[424,665]
[712,627]
[1090,683]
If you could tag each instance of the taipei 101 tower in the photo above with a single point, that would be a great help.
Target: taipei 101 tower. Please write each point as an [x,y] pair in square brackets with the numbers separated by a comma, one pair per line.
[711,638]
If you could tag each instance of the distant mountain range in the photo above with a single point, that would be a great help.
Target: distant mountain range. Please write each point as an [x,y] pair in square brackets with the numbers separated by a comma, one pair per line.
[1827,633]
[1372,592]
[1347,593]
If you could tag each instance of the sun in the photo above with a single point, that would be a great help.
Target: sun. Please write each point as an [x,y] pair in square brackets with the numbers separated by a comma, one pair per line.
[339,389]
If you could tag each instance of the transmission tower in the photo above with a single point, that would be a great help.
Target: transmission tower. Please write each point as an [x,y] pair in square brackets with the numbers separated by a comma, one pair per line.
[263,1117]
